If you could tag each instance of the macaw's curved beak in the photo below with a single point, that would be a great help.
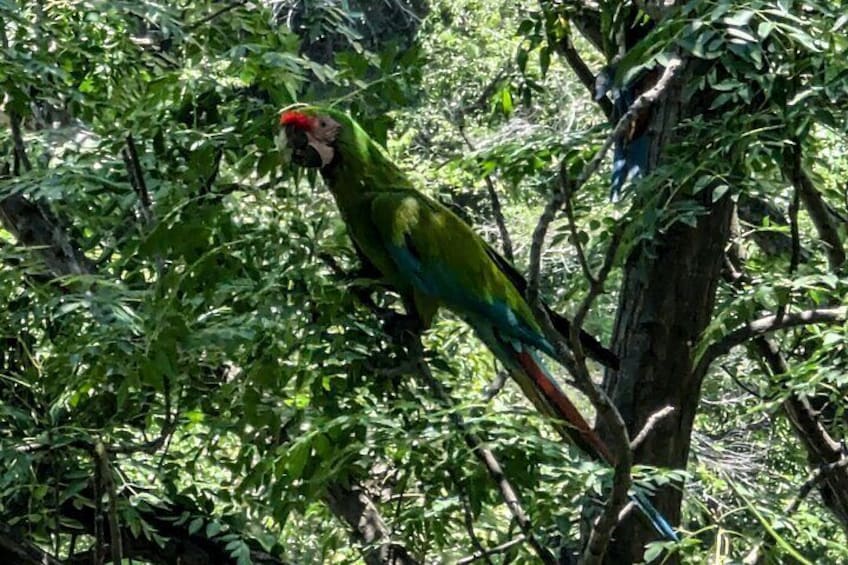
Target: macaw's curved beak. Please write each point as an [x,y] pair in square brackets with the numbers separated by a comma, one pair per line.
[305,150]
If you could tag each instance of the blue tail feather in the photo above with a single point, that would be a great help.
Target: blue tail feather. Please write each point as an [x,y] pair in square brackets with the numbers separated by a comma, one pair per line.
[506,350]
[659,523]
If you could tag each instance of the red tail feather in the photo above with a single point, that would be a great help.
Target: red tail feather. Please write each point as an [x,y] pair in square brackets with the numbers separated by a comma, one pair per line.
[564,407]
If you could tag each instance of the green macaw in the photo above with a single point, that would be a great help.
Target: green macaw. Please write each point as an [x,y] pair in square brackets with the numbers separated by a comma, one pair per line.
[434,259]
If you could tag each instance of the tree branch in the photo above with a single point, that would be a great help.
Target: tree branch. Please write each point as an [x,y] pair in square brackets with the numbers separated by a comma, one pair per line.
[817,208]
[136,174]
[815,478]
[652,421]
[356,509]
[14,549]
[491,551]
[565,47]
[767,325]
[484,455]
[557,199]
[206,19]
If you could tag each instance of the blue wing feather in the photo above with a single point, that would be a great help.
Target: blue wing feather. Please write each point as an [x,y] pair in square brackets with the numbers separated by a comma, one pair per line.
[435,279]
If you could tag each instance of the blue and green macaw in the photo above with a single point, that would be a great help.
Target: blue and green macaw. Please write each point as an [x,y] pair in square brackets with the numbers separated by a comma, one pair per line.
[434,259]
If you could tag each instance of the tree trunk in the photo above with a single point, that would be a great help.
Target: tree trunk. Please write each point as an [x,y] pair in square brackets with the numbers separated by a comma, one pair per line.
[666,301]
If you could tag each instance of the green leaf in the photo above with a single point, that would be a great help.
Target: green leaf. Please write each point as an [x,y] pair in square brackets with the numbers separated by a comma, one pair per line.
[195,525]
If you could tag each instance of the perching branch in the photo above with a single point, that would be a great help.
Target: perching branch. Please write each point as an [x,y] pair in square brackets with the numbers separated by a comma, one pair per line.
[767,325]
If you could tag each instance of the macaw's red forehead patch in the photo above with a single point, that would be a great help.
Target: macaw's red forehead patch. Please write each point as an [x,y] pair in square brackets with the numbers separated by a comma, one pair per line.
[297,119]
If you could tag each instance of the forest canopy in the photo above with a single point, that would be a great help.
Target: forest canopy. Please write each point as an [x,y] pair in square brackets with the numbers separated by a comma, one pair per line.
[197,365]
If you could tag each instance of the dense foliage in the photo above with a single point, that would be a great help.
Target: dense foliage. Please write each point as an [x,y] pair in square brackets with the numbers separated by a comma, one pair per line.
[191,363]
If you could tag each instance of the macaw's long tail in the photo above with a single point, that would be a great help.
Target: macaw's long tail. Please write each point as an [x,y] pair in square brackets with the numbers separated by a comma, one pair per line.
[543,391]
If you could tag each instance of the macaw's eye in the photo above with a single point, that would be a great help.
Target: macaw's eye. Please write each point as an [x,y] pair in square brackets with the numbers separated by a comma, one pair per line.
[323,124]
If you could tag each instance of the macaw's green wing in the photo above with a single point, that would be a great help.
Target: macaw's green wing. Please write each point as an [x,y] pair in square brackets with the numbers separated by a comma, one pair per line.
[441,257]
[562,324]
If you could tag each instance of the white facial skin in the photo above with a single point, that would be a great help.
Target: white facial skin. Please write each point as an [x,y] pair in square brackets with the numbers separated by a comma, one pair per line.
[295,142]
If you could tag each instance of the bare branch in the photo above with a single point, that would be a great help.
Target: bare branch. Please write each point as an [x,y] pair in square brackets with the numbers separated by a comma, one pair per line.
[495,386]
[491,551]
[21,158]
[565,47]
[14,549]
[497,211]
[575,238]
[767,325]
[818,209]
[548,214]
[649,426]
[136,174]
[815,478]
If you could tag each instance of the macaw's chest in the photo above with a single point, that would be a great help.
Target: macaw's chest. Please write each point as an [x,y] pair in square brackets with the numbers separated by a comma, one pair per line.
[366,236]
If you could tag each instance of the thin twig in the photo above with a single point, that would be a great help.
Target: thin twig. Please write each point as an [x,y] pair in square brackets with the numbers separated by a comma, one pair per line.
[21,158]
[206,19]
[495,386]
[108,485]
[469,519]
[497,210]
[649,426]
[491,551]
[818,209]
[99,542]
[538,240]
[575,235]
[484,455]
[136,174]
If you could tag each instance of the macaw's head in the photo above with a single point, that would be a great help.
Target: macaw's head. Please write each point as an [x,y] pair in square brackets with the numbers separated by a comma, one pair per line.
[311,135]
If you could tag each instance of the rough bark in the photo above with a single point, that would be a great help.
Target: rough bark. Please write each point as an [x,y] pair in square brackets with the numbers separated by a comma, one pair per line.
[353,506]
[33,225]
[15,549]
[666,301]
